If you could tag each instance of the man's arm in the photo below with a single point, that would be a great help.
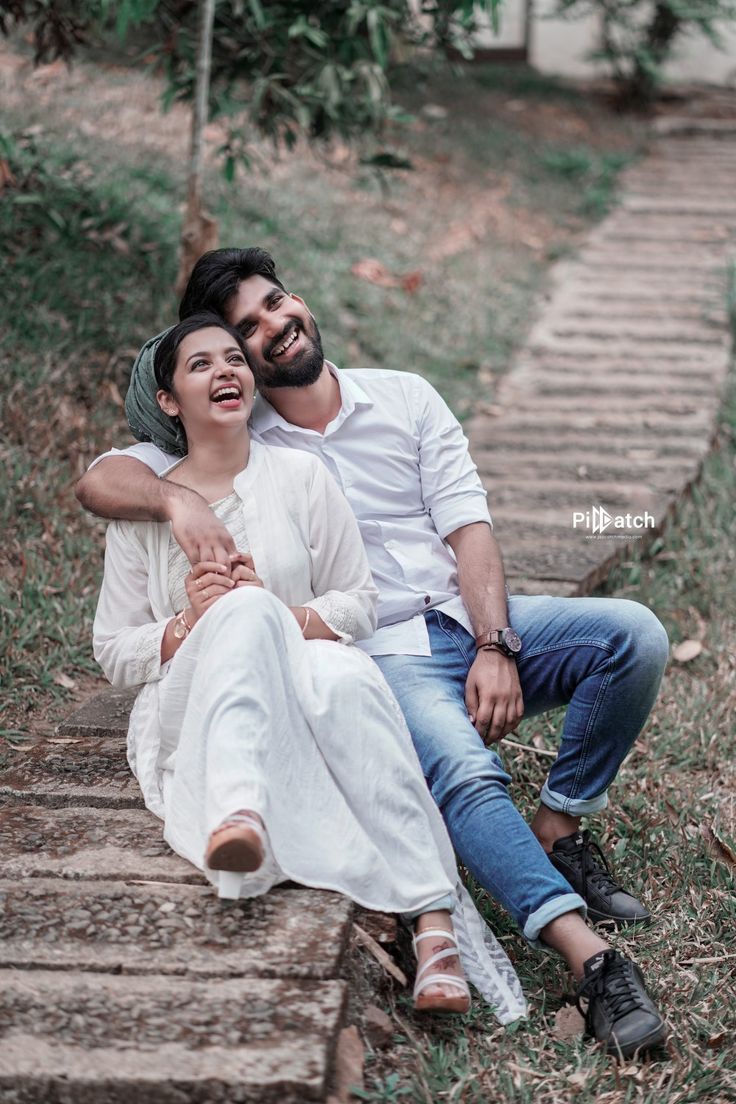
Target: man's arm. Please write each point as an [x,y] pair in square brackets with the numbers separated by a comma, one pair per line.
[492,691]
[125,488]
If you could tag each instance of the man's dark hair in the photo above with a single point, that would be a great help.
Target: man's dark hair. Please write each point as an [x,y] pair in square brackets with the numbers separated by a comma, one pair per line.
[164,359]
[216,276]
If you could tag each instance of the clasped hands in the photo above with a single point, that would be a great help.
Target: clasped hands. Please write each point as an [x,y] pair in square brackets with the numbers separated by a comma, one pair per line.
[209,580]
[493,695]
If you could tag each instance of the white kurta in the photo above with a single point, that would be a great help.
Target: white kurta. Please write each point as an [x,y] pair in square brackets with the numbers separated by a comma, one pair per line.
[250,715]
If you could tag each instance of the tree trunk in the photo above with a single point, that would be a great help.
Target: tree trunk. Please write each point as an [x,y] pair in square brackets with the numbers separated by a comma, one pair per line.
[199,232]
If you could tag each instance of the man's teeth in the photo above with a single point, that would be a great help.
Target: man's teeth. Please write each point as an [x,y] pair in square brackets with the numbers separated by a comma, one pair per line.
[225,393]
[286,344]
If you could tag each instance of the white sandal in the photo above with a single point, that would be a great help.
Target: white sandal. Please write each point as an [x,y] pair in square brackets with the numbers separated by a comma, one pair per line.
[238,844]
[458,1003]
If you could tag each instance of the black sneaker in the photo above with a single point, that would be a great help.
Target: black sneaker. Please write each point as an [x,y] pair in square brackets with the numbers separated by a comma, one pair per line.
[620,1012]
[579,859]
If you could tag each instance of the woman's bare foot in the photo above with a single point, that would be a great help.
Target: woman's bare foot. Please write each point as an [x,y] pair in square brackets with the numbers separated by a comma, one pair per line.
[237,845]
[440,984]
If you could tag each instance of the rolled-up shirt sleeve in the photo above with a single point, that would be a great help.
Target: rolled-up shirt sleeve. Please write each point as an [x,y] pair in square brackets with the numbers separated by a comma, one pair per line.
[151,455]
[451,487]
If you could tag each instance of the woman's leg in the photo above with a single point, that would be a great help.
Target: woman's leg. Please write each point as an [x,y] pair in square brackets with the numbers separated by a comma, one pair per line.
[440,982]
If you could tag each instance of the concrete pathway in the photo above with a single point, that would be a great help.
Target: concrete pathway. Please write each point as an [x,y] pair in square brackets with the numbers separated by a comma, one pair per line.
[612,401]
[121,977]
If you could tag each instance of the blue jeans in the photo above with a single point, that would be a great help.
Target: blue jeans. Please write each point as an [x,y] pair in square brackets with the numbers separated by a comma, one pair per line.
[601,657]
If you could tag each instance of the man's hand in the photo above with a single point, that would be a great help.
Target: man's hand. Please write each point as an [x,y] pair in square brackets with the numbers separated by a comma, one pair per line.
[197,530]
[243,570]
[493,695]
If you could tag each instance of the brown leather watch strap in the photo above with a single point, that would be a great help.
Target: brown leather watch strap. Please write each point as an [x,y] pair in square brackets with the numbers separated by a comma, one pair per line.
[489,639]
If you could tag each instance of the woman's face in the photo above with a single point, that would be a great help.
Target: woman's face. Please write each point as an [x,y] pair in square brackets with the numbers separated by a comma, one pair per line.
[212,386]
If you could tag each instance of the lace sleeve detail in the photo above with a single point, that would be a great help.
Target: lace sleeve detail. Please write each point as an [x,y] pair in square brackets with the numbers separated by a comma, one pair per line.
[341,613]
[148,651]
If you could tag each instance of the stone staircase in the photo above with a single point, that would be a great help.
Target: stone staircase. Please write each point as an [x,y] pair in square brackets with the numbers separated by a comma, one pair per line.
[613,399]
[122,977]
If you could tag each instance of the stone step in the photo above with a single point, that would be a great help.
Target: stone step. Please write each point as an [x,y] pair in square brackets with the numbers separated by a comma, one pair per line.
[508,443]
[577,561]
[114,927]
[690,352]
[564,497]
[674,206]
[557,383]
[70,1038]
[627,424]
[636,404]
[574,304]
[705,367]
[556,587]
[70,771]
[642,331]
[88,843]
[660,476]
[104,714]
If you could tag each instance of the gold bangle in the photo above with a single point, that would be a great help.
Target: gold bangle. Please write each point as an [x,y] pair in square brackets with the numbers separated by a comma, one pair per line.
[306,622]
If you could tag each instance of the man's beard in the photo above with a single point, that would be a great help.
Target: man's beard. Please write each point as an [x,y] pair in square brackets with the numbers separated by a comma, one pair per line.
[302,371]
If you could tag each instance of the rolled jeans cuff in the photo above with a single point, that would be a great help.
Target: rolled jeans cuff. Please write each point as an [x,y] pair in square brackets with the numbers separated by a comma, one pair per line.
[573,806]
[567,902]
[447,902]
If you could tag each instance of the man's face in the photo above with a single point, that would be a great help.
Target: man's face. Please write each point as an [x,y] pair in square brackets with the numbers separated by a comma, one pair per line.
[281,336]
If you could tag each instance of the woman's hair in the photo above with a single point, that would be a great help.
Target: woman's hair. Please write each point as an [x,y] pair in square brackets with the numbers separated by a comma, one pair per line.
[164,359]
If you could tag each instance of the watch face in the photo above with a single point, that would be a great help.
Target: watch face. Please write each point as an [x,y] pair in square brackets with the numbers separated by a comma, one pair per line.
[512,640]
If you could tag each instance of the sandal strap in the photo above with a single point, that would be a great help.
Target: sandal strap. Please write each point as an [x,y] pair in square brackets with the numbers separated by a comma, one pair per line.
[251,820]
[449,952]
[440,979]
[434,933]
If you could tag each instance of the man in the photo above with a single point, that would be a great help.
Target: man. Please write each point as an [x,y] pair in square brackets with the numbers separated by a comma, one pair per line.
[462,658]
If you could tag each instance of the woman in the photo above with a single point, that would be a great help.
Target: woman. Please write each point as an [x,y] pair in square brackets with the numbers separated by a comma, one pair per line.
[272,750]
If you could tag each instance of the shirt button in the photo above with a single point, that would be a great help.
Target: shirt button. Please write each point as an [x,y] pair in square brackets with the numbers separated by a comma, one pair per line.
[427,599]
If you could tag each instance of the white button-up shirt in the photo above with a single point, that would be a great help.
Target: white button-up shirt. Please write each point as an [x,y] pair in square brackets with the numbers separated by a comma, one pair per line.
[402,461]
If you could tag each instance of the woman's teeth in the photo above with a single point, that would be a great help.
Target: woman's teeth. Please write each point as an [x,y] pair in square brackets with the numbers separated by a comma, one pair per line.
[225,393]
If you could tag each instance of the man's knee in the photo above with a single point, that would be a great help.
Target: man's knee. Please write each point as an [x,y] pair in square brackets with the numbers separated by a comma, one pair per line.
[468,775]
[643,633]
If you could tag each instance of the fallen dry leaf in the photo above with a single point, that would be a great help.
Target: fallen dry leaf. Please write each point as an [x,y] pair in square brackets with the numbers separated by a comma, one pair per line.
[374,272]
[65,681]
[718,846]
[686,650]
[569,1024]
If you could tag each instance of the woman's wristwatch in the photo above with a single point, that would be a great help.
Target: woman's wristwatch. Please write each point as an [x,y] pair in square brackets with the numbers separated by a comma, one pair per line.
[505,641]
[182,628]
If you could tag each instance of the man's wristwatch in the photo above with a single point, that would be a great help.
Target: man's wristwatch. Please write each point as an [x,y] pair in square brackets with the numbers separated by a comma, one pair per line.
[505,641]
[182,628]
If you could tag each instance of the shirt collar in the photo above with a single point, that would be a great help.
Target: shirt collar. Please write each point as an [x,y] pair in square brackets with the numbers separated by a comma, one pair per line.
[352,395]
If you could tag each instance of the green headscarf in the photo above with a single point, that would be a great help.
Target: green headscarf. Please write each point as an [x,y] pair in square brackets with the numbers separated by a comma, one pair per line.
[146,419]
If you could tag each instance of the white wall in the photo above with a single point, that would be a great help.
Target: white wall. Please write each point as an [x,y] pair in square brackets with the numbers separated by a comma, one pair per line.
[560,46]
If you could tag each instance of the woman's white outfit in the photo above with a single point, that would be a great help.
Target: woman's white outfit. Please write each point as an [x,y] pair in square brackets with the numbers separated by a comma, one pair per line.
[249,715]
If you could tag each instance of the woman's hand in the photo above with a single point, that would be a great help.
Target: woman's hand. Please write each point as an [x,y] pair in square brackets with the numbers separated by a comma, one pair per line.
[205,583]
[243,570]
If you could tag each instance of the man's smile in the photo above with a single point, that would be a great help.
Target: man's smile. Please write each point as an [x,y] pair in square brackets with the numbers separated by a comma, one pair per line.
[285,344]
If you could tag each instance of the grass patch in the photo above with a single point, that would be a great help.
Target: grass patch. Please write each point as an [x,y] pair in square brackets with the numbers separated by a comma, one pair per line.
[87,271]
[595,174]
